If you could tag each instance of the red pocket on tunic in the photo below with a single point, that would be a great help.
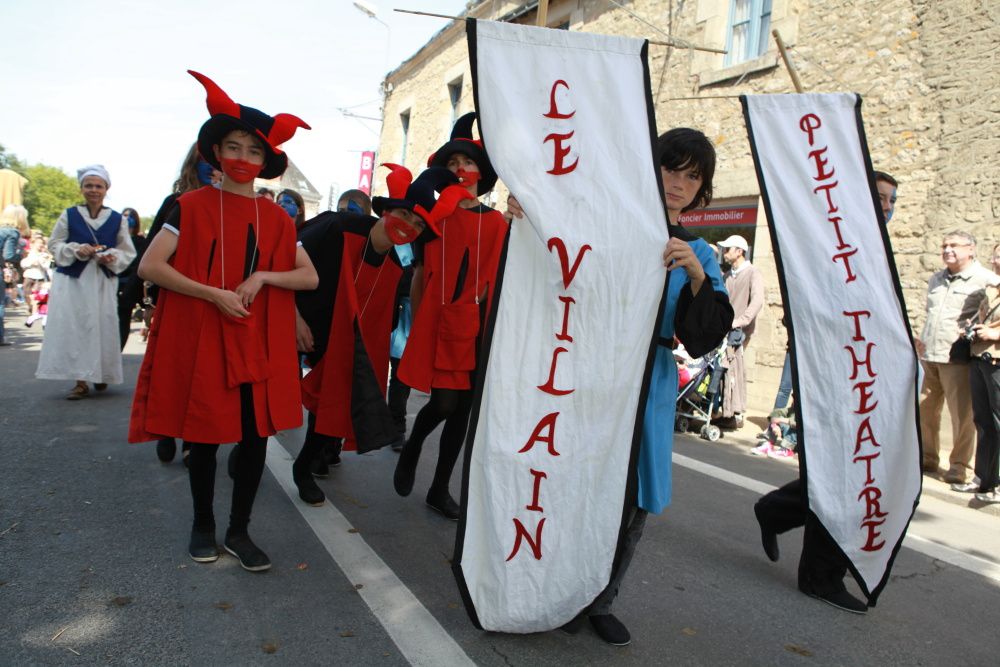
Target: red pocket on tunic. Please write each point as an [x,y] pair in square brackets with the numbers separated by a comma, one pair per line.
[457,331]
[245,356]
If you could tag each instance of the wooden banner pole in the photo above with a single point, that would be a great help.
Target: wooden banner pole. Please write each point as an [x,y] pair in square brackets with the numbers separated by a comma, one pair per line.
[541,20]
[789,65]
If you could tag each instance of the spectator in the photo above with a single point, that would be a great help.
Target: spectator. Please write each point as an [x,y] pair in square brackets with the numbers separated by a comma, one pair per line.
[294,206]
[886,186]
[130,290]
[781,437]
[35,269]
[953,296]
[746,294]
[90,244]
[13,219]
[985,380]
[265,193]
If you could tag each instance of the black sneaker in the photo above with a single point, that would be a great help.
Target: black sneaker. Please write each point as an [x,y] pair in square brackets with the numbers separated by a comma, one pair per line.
[611,630]
[331,453]
[445,504]
[202,547]
[249,555]
[166,449]
[840,599]
[186,455]
[406,472]
[309,491]
[320,468]
[768,538]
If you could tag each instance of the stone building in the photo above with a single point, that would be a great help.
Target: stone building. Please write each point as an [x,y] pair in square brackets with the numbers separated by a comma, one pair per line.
[924,68]
[294,179]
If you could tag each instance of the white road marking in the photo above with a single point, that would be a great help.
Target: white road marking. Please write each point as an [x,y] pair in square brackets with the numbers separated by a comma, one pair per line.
[912,541]
[414,630]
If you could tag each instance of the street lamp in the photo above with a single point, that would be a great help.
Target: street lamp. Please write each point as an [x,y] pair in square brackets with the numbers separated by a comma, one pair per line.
[369,10]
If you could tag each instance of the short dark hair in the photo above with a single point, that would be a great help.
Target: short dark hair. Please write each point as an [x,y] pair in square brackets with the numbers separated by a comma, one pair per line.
[882,176]
[683,147]
[358,197]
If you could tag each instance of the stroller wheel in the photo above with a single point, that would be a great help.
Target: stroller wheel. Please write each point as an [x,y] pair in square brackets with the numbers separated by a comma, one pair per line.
[711,432]
[681,424]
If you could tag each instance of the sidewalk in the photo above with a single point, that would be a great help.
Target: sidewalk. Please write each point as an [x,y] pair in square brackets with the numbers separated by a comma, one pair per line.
[746,438]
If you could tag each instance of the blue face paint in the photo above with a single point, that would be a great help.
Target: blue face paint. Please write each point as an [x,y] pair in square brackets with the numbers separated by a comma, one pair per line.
[353,207]
[205,172]
[133,220]
[287,203]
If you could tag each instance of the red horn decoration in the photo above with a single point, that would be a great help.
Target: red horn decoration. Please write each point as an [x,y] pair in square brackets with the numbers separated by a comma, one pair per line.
[398,180]
[217,100]
[284,127]
[444,206]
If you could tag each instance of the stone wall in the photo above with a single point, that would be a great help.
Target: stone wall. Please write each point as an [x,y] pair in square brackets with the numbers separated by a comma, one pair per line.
[923,67]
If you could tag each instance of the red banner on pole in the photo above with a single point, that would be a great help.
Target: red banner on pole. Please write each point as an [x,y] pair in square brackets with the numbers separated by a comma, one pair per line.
[367,169]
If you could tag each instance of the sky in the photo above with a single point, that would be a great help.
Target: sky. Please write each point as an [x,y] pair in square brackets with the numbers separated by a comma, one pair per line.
[106,82]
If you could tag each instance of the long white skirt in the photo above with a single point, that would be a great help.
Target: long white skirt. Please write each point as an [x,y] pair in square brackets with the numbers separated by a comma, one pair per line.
[81,332]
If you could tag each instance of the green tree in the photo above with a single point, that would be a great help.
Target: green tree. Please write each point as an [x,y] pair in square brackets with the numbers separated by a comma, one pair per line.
[49,192]
[10,161]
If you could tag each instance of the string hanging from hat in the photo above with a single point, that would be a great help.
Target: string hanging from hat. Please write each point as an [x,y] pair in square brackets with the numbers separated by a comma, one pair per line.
[222,236]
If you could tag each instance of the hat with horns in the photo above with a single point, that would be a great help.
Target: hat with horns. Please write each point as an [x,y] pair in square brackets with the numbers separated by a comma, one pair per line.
[227,116]
[462,142]
[418,195]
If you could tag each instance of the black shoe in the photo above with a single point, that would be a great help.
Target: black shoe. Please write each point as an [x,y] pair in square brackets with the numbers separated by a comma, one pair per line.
[309,491]
[840,599]
[611,630]
[768,538]
[165,449]
[573,626]
[202,547]
[251,558]
[232,462]
[443,503]
[186,455]
[319,467]
[398,445]
[406,471]
[331,453]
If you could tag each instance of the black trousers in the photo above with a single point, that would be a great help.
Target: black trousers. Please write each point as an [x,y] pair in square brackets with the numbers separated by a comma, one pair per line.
[821,567]
[396,396]
[249,469]
[984,377]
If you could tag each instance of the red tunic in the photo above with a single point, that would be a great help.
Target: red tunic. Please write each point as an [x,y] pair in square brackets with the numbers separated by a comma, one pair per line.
[196,357]
[441,350]
[365,299]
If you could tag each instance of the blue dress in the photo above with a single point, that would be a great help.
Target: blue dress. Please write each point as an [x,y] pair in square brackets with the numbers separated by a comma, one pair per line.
[656,447]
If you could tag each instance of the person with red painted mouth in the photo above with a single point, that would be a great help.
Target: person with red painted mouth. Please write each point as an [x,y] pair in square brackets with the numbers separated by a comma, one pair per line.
[344,325]
[220,362]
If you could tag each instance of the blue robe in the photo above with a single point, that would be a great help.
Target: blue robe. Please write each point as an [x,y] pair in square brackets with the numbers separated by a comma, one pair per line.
[656,448]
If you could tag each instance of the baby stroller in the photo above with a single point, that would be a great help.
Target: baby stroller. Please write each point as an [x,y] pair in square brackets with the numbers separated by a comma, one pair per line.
[695,399]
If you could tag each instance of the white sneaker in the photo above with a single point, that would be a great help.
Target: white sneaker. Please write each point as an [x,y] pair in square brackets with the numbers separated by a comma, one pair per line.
[780,453]
[990,497]
[763,449]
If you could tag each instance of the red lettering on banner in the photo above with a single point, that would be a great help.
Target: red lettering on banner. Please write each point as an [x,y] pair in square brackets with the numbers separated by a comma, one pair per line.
[567,272]
[559,166]
[835,220]
[548,422]
[564,334]
[826,190]
[868,458]
[534,506]
[845,257]
[858,363]
[865,434]
[856,314]
[872,535]
[821,162]
[522,533]
[553,107]
[809,124]
[549,386]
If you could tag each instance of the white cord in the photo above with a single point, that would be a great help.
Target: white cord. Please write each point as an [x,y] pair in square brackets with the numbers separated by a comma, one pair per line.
[377,275]
[222,237]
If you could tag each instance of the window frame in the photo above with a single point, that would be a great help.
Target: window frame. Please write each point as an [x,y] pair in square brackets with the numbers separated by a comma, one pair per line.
[759,11]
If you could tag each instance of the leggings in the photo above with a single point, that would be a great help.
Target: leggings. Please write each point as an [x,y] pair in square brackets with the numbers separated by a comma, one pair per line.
[452,406]
[249,469]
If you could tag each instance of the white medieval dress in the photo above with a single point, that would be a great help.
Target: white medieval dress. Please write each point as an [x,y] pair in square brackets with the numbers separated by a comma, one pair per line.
[81,333]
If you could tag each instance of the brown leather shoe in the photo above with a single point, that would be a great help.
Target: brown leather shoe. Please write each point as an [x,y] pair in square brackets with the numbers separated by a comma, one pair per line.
[955,475]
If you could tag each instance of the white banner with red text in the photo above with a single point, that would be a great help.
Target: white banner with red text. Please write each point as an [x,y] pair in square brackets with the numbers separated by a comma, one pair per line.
[566,119]
[855,371]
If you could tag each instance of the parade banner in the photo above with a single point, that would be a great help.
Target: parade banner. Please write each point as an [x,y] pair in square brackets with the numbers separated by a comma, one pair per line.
[855,371]
[549,471]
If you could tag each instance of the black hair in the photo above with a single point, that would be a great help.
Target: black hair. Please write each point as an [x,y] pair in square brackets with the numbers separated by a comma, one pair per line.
[683,147]
[882,176]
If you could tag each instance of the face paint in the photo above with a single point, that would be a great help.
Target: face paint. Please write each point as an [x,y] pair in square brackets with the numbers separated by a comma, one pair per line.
[291,208]
[398,231]
[468,177]
[240,171]
[205,172]
[353,207]
[132,221]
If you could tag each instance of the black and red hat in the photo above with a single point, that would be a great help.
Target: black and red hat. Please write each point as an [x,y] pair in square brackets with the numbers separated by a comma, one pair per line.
[227,116]
[462,142]
[419,195]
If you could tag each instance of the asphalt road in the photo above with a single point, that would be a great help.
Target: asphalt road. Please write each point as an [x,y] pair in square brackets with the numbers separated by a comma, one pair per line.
[94,569]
